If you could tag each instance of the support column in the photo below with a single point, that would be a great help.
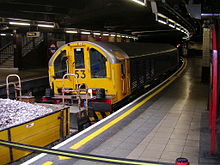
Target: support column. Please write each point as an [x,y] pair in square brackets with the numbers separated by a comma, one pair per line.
[112,38]
[17,50]
[0,41]
[118,39]
[91,37]
[218,91]
[206,54]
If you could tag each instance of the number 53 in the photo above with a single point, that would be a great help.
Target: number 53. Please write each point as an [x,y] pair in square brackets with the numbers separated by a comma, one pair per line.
[80,75]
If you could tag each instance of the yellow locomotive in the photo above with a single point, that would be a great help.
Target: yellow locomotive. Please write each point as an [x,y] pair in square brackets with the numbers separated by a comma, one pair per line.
[104,74]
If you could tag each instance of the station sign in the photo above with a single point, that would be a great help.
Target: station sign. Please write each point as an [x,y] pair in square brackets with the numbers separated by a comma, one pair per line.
[33,34]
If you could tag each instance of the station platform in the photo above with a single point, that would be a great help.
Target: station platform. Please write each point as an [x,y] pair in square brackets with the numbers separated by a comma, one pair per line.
[159,127]
[24,74]
[33,81]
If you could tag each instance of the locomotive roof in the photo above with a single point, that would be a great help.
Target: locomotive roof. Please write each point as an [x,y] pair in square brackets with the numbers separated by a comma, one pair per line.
[142,49]
[127,50]
[135,49]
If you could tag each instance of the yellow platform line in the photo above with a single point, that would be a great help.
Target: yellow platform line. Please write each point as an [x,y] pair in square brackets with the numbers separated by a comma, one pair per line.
[110,124]
[47,163]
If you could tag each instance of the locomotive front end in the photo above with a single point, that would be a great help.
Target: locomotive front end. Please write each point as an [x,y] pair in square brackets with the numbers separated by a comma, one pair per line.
[83,68]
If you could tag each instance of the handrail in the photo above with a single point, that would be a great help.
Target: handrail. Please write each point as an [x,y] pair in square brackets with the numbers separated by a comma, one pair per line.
[63,89]
[77,90]
[29,44]
[6,46]
[16,87]
[6,52]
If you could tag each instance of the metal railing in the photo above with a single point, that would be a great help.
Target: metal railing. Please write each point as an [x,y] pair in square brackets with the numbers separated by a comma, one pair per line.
[28,44]
[17,86]
[78,93]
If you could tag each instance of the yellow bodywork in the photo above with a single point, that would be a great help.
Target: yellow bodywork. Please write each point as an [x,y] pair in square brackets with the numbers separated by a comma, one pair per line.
[116,86]
[4,151]
[39,132]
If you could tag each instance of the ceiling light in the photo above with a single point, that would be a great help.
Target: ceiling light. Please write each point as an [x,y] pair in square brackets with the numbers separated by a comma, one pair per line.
[139,2]
[161,21]
[97,33]
[84,32]
[2,34]
[209,14]
[161,15]
[170,20]
[165,20]
[112,35]
[45,25]
[178,24]
[20,23]
[171,25]
[71,31]
[105,34]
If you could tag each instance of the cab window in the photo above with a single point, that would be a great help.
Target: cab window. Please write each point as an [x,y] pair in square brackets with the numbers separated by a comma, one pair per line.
[123,69]
[79,58]
[60,65]
[97,64]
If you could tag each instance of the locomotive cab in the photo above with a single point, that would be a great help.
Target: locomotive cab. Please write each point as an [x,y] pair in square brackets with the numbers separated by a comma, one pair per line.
[90,66]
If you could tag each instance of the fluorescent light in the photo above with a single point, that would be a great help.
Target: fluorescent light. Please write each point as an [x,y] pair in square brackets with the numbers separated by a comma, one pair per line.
[210,14]
[20,23]
[118,35]
[85,33]
[139,2]
[170,20]
[112,35]
[161,15]
[71,31]
[45,25]
[171,25]
[97,33]
[105,34]
[123,36]
[178,24]
[2,34]
[161,21]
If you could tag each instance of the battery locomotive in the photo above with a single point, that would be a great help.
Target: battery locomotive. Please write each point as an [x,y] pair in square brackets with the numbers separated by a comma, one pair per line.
[101,75]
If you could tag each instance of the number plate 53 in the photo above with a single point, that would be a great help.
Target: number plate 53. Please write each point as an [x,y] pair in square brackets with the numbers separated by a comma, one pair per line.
[80,74]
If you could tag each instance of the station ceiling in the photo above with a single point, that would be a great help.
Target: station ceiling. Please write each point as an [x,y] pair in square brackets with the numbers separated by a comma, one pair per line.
[120,16]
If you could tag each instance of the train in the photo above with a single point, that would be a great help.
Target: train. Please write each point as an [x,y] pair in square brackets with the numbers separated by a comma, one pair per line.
[101,75]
